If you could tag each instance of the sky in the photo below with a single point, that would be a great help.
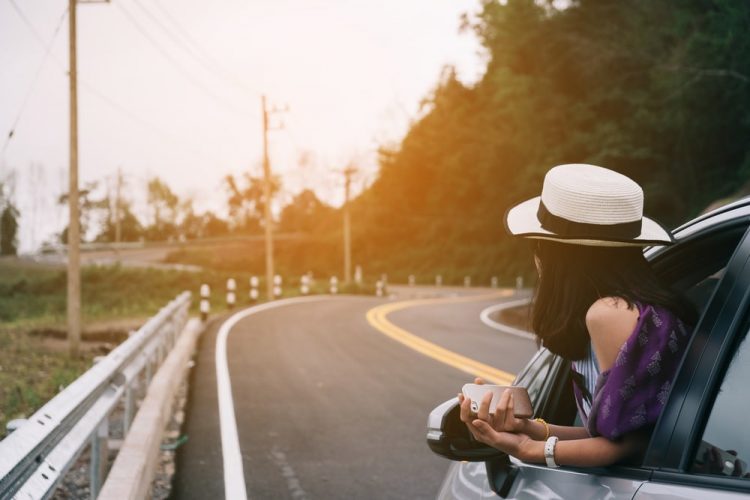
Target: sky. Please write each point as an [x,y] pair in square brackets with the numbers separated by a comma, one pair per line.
[173,89]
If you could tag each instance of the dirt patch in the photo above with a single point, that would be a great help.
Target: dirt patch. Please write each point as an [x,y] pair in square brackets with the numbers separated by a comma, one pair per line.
[105,332]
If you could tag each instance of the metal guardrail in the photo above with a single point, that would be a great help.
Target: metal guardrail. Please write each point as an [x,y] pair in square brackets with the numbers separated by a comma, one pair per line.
[35,457]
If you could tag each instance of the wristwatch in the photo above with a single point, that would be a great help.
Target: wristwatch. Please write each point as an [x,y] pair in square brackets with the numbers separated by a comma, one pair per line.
[549,452]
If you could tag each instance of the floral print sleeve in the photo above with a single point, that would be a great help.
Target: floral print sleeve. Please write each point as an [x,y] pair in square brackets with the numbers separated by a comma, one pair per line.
[631,395]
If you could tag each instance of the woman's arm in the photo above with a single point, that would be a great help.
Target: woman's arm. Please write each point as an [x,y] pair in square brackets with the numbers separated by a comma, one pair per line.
[587,452]
[504,420]
[538,432]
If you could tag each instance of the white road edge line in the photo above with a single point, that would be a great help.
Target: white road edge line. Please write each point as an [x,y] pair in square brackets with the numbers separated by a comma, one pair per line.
[485,317]
[234,476]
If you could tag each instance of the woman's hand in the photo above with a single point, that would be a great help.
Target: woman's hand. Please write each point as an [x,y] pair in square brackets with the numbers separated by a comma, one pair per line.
[496,430]
[503,420]
[501,429]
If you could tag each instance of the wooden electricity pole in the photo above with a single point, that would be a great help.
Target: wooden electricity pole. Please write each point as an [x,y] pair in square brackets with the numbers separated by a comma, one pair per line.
[74,231]
[74,224]
[118,206]
[348,172]
[267,194]
[267,205]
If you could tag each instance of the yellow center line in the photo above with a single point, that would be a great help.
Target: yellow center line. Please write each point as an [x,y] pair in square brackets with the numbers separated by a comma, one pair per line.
[378,320]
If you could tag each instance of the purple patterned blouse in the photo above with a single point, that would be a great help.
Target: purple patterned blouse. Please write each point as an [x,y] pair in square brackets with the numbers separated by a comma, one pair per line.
[631,395]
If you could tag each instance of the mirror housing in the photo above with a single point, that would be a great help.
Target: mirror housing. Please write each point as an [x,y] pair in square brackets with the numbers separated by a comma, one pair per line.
[448,437]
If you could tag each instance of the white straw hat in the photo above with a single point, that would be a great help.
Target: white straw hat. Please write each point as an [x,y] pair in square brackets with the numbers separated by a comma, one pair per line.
[587,205]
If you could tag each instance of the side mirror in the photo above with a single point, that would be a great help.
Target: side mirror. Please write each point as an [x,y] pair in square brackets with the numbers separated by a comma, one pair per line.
[448,437]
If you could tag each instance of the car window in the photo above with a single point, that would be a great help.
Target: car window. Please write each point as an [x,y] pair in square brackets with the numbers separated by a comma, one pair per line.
[534,376]
[725,446]
[697,265]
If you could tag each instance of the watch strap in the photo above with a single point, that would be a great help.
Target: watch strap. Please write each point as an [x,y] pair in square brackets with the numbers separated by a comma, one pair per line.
[549,451]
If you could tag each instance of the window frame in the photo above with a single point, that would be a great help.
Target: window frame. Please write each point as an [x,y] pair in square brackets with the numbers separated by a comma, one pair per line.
[681,426]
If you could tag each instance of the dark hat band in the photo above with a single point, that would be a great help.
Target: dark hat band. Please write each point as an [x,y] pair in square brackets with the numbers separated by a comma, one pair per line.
[567,228]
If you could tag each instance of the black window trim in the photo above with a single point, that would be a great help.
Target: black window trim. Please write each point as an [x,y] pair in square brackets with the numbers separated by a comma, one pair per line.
[681,425]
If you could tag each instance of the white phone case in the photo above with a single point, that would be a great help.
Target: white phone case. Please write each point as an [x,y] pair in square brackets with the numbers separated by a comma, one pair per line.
[521,402]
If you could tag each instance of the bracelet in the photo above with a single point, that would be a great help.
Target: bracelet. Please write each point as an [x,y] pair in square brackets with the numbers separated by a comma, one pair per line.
[549,452]
[546,427]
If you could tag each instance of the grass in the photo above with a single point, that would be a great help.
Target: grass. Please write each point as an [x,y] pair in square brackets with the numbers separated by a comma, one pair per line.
[32,371]
[34,363]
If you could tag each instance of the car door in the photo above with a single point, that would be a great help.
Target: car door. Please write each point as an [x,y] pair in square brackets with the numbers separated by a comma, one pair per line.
[697,266]
[468,480]
[701,447]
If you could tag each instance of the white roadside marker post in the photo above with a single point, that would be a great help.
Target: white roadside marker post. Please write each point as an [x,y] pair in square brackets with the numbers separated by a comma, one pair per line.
[519,282]
[231,298]
[253,294]
[334,285]
[493,282]
[379,288]
[304,287]
[438,280]
[277,286]
[358,275]
[412,280]
[205,303]
[467,281]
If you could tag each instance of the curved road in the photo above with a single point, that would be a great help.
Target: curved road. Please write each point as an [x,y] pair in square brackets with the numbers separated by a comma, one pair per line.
[327,406]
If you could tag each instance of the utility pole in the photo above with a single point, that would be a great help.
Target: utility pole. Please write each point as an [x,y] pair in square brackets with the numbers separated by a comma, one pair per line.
[348,172]
[267,195]
[74,229]
[118,206]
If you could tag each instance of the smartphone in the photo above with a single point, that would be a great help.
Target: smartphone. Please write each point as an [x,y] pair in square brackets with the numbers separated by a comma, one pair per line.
[521,402]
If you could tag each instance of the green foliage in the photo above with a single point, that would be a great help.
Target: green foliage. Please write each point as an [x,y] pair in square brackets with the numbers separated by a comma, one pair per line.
[305,214]
[9,230]
[658,90]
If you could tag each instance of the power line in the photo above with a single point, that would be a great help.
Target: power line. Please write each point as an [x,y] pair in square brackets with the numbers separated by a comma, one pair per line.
[205,54]
[137,119]
[233,107]
[91,88]
[47,50]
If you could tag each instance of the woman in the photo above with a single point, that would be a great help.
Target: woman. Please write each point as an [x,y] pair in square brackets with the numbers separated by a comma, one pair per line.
[598,304]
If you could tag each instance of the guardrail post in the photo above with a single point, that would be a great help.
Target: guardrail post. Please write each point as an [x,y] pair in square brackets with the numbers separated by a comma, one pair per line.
[438,280]
[277,286]
[129,404]
[467,281]
[493,282]
[205,303]
[412,280]
[98,465]
[253,294]
[304,287]
[519,282]
[231,287]
[334,285]
[148,371]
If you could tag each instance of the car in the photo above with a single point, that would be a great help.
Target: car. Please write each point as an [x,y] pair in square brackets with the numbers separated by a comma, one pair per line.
[700,446]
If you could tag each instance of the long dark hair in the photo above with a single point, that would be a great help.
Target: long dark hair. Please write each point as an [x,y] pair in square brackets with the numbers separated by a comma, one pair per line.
[573,277]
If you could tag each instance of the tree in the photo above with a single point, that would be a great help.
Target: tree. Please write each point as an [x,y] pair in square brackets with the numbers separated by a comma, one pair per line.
[659,91]
[9,229]
[246,202]
[305,213]
[163,203]
[88,204]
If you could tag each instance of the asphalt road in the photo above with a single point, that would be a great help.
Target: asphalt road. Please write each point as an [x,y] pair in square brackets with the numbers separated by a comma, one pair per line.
[327,406]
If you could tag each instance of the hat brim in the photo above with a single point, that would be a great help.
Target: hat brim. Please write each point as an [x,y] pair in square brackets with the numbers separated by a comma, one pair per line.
[521,220]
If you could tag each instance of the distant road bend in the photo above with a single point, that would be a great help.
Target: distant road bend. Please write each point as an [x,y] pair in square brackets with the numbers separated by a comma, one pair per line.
[327,396]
